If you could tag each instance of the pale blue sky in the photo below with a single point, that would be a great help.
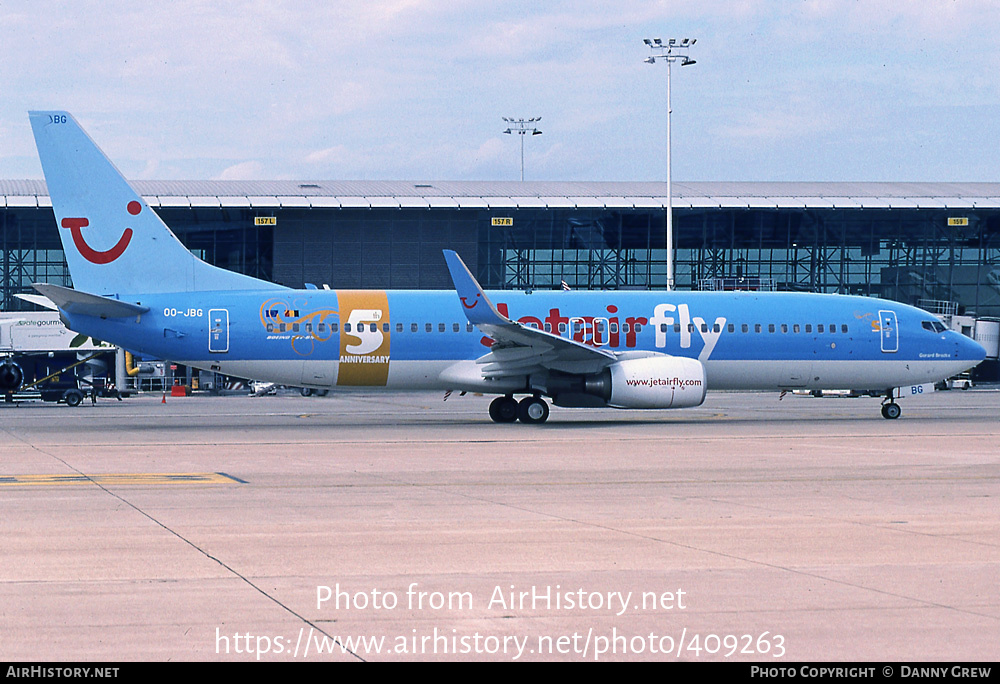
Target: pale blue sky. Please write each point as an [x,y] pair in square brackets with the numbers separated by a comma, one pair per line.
[805,90]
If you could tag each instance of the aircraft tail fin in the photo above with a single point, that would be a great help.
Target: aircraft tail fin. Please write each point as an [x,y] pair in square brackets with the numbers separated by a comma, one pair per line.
[114,243]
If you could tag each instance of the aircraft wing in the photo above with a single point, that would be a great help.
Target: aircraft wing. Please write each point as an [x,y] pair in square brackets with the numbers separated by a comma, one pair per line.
[519,349]
[75,301]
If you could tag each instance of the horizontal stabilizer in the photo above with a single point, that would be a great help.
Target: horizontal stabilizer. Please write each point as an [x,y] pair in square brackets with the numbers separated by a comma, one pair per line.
[77,302]
[37,300]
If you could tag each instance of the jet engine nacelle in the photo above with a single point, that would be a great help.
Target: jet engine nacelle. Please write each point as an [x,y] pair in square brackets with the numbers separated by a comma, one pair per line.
[11,376]
[653,381]
[657,382]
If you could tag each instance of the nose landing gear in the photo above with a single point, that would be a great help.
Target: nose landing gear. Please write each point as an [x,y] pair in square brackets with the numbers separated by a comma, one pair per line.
[890,409]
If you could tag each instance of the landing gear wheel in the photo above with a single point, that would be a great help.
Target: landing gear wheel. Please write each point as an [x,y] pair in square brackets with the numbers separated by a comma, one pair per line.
[306,392]
[891,410]
[532,410]
[503,410]
[73,397]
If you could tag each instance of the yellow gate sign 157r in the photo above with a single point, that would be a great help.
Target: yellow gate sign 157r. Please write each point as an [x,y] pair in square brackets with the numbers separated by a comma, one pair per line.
[503,221]
[265,221]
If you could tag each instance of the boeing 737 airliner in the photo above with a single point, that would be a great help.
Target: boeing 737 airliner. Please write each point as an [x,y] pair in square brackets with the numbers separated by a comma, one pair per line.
[137,286]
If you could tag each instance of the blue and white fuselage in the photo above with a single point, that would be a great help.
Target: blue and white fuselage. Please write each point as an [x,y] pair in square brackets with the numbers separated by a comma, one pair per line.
[408,339]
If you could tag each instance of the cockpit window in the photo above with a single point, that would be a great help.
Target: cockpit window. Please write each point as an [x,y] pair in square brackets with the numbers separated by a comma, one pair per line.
[933,326]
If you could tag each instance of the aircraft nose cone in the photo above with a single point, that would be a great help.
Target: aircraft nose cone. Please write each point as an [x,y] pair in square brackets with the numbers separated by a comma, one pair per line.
[970,350]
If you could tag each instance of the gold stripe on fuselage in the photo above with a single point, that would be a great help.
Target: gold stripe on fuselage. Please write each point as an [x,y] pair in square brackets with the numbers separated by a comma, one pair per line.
[364,350]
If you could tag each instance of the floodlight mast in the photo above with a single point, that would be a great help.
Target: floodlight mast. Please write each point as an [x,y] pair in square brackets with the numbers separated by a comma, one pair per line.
[671,51]
[522,127]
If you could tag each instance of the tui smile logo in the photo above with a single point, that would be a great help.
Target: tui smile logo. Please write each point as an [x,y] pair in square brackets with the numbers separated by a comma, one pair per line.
[89,253]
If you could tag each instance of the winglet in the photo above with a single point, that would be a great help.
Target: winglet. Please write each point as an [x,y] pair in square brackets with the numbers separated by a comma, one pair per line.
[476,305]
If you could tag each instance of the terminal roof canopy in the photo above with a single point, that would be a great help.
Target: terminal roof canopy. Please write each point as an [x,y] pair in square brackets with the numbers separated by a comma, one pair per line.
[540,194]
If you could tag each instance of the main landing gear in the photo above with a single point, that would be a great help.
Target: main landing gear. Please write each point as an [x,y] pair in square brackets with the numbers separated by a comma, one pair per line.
[529,410]
[890,409]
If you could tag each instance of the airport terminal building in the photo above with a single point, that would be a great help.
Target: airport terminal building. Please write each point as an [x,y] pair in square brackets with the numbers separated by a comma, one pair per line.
[935,245]
[902,241]
[930,244]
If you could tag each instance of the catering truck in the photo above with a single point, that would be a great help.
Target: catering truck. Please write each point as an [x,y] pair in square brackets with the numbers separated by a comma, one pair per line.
[41,358]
